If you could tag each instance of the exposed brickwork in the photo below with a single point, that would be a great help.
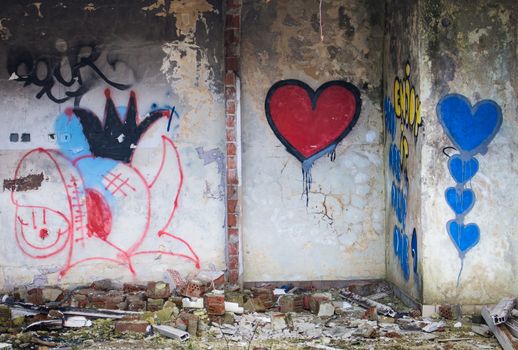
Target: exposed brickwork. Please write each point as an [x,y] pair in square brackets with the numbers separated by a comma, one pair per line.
[232,49]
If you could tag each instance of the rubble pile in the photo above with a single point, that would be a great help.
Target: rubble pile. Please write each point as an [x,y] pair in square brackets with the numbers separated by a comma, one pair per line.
[204,314]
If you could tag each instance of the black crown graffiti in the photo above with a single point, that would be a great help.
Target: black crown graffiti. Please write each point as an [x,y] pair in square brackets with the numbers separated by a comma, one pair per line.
[115,138]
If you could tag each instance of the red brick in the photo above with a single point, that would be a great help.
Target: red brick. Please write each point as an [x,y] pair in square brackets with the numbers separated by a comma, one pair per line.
[105,284]
[265,295]
[231,37]
[195,289]
[232,220]
[131,326]
[233,232]
[158,290]
[231,192]
[131,287]
[230,92]
[232,63]
[230,79]
[232,21]
[233,262]
[291,303]
[231,162]
[215,304]
[232,177]
[35,296]
[231,120]
[233,276]
[233,249]
[233,4]
[231,135]
[231,205]
[231,106]
[233,50]
[231,150]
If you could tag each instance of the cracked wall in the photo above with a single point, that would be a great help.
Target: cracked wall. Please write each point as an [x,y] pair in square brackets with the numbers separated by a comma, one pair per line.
[469,48]
[339,234]
[140,192]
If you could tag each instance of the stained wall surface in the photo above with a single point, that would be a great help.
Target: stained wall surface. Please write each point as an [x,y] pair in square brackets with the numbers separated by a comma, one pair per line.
[469,49]
[337,231]
[404,129]
[112,140]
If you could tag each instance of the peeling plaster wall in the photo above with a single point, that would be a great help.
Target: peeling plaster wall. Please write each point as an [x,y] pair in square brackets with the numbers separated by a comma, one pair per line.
[470,48]
[404,131]
[169,54]
[340,233]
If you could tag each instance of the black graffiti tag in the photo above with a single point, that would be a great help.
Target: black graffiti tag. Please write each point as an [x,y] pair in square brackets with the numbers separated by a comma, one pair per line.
[59,68]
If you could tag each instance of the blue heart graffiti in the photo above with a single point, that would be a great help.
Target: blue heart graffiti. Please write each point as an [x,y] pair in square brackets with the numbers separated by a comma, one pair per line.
[471,129]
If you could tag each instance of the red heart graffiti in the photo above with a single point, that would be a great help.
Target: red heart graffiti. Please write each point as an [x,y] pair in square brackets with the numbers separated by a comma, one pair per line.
[308,122]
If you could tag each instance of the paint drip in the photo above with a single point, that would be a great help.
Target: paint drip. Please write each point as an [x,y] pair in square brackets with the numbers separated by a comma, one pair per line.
[307,164]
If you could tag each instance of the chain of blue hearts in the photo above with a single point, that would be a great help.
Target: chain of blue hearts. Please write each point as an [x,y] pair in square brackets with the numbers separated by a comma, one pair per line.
[470,129]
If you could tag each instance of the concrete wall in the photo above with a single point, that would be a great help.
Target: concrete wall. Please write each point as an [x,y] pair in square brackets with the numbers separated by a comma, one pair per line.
[142,205]
[404,129]
[337,231]
[469,48]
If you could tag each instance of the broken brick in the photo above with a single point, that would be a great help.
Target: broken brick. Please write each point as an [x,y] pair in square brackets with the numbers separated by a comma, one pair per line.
[35,296]
[131,288]
[131,326]
[291,303]
[154,304]
[158,290]
[194,289]
[265,295]
[215,304]
[104,285]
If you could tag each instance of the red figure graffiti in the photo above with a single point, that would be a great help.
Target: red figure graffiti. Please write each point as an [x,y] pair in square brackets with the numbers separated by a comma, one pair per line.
[93,208]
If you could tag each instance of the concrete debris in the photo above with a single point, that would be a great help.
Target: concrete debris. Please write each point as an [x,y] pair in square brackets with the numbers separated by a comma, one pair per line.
[172,332]
[501,311]
[326,309]
[481,329]
[77,321]
[196,303]
[231,318]
[512,325]
[434,326]
[365,302]
[502,334]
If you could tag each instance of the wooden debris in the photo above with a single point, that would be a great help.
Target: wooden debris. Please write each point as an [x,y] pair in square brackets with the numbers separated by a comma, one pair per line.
[501,332]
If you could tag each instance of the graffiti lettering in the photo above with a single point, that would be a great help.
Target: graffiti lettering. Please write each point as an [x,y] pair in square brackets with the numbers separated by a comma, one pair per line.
[63,67]
[404,107]
[471,130]
[310,123]
[407,105]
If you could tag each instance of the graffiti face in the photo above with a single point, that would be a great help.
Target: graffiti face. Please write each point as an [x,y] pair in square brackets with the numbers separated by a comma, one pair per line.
[470,129]
[311,123]
[100,208]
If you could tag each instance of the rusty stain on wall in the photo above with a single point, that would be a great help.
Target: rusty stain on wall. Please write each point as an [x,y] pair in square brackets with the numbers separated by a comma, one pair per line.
[25,183]
[186,13]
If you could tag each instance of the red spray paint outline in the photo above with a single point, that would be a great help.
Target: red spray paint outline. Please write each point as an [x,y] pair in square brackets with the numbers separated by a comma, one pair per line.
[124,256]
